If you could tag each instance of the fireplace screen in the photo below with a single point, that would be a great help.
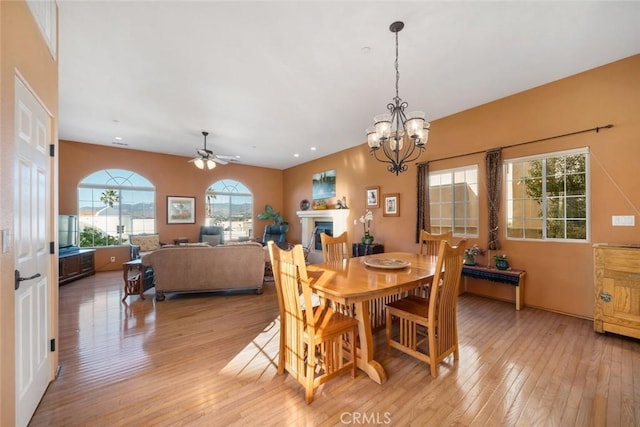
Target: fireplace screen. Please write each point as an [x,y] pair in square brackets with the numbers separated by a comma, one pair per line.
[325,227]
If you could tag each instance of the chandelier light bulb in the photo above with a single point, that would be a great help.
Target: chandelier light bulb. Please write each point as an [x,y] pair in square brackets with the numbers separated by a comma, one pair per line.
[199,163]
[211,164]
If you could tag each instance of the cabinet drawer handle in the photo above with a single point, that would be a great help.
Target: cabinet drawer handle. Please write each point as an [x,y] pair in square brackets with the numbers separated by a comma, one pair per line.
[606,297]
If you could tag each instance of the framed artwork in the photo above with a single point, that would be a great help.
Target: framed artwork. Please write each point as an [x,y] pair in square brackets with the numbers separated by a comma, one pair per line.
[372,197]
[391,204]
[324,185]
[181,210]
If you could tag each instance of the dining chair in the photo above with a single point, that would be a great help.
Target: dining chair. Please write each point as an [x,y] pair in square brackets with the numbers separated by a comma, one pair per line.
[334,248]
[428,327]
[316,344]
[430,243]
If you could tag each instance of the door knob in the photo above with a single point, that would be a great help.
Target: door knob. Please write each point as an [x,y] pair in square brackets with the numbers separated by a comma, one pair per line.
[19,278]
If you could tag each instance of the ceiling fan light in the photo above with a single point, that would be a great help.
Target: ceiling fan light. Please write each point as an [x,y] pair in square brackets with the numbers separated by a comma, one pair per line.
[199,163]
[211,164]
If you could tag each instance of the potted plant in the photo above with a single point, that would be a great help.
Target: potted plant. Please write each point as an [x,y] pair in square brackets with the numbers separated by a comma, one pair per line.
[502,263]
[471,254]
[270,213]
[366,219]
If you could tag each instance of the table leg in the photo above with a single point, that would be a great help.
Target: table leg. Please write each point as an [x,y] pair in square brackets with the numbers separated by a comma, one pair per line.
[365,362]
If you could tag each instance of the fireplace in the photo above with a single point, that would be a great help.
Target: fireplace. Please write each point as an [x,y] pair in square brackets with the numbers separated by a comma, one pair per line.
[325,227]
[309,219]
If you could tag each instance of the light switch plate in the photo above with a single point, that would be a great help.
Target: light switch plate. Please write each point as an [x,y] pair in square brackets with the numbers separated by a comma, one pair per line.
[623,220]
[6,240]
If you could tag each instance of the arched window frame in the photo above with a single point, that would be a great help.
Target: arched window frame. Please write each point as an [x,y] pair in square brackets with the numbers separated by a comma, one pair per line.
[132,209]
[220,199]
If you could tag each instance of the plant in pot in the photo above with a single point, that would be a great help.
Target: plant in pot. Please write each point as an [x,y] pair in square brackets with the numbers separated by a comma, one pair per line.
[502,263]
[278,220]
[471,254]
[366,219]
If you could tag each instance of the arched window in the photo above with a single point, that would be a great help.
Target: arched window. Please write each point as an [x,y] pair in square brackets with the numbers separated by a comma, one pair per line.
[112,204]
[229,203]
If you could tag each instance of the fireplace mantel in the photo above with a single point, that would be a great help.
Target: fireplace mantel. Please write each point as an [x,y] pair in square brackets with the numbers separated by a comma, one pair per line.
[308,220]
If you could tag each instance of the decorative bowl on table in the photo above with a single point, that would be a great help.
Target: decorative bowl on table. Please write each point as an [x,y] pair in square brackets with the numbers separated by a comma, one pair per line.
[386,263]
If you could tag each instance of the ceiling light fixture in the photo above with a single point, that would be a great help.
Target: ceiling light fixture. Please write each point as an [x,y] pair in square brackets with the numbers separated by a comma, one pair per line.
[401,138]
[205,159]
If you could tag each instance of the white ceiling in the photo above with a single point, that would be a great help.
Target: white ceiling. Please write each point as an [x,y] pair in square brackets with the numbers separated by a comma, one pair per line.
[271,79]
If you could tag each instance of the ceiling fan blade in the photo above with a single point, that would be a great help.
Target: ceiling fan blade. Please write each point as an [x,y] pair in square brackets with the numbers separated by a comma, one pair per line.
[220,161]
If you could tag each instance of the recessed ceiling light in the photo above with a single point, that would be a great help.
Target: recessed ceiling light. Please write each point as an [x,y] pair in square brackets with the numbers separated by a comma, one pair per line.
[296,155]
[118,138]
[313,148]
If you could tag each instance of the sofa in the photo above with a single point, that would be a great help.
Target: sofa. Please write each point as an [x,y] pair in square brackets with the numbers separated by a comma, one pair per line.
[188,268]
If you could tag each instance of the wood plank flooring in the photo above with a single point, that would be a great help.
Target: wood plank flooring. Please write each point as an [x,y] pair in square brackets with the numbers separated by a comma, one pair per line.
[210,360]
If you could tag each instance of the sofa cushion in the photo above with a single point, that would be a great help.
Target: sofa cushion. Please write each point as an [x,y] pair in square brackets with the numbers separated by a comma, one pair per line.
[147,242]
[211,239]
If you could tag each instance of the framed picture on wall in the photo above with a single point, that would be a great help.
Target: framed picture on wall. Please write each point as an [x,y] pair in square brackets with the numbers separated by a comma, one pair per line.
[181,210]
[372,197]
[391,204]
[323,185]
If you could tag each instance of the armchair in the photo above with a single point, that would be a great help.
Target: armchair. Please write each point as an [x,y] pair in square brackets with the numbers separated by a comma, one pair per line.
[277,233]
[212,234]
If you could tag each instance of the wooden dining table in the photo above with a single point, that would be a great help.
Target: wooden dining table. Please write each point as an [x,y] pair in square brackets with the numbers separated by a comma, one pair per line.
[352,282]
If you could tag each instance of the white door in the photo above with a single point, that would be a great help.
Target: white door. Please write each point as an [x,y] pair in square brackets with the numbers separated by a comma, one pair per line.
[32,258]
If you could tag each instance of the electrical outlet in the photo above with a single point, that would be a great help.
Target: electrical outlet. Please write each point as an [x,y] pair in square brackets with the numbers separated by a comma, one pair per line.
[113,259]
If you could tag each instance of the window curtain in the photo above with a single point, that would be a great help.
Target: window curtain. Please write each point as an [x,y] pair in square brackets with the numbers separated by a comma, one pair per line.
[494,184]
[424,215]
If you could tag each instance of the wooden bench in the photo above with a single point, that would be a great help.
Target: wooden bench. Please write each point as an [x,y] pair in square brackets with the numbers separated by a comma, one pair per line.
[511,277]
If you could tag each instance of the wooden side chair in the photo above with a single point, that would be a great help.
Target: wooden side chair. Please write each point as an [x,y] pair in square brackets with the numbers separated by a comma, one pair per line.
[435,315]
[312,341]
[334,248]
[430,243]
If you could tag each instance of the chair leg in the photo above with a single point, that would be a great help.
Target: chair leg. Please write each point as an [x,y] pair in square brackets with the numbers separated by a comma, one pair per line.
[308,383]
[354,356]
[433,354]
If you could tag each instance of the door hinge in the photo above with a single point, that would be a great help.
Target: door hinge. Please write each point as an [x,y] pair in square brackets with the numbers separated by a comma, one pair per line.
[52,150]
[53,344]
[52,248]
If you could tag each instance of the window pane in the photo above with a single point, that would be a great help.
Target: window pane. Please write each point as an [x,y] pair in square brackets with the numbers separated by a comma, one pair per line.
[558,180]
[112,204]
[229,203]
[454,201]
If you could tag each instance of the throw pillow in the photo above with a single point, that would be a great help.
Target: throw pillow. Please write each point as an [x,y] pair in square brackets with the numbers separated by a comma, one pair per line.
[211,239]
[147,242]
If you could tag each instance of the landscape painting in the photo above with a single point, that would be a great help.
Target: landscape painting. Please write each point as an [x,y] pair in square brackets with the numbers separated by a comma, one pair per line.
[324,185]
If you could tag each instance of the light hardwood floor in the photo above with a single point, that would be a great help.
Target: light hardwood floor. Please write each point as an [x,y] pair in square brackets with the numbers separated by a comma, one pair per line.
[210,360]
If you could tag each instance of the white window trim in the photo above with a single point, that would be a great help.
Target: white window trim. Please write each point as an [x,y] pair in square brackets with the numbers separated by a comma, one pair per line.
[587,167]
[452,171]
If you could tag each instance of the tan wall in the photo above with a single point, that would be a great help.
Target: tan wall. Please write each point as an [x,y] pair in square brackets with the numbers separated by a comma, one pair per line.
[172,176]
[22,49]
[559,275]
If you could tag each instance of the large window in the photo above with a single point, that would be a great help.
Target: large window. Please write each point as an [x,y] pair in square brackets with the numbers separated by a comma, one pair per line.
[547,196]
[112,204]
[453,201]
[229,203]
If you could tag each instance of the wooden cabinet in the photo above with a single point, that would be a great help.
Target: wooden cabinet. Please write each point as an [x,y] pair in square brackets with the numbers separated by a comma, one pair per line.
[617,289]
[74,265]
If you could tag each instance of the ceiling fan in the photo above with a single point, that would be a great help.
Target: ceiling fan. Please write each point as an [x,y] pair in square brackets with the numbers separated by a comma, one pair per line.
[205,157]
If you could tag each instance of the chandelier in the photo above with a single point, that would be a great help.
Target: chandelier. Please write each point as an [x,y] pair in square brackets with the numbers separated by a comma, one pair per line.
[400,137]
